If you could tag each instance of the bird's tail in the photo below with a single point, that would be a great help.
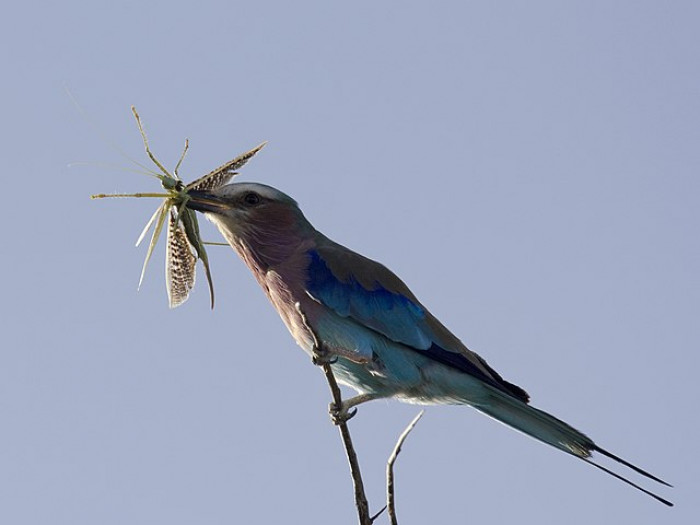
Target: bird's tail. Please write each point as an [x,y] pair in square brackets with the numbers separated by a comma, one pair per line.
[555,432]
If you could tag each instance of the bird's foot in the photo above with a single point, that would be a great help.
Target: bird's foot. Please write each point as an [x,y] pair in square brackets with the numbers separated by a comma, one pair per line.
[321,357]
[347,410]
[341,414]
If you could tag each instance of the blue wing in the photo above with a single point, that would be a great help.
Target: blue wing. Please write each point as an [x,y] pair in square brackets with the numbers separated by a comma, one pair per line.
[391,314]
[367,292]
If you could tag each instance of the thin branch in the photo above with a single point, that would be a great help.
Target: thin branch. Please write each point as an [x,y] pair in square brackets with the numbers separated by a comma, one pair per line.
[390,499]
[373,518]
[321,357]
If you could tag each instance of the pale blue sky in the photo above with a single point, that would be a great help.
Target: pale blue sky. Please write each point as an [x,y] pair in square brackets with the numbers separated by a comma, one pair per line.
[530,169]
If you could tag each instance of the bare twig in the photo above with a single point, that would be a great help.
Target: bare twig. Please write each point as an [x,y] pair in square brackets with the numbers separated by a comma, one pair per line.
[390,500]
[322,358]
[373,518]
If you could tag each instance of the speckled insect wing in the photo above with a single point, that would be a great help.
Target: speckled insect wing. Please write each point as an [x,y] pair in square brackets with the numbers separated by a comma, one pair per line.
[180,262]
[223,174]
[184,244]
[185,247]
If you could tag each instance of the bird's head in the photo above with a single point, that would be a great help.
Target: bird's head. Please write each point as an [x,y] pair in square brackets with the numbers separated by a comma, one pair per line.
[253,217]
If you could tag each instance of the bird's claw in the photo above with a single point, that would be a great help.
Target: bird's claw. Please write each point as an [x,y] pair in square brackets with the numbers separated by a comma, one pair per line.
[320,358]
[340,414]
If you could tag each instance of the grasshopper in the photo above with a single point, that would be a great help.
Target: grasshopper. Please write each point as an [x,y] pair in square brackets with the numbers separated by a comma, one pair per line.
[184,244]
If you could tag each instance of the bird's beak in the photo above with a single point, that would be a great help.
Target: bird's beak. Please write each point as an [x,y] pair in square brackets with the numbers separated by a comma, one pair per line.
[206,202]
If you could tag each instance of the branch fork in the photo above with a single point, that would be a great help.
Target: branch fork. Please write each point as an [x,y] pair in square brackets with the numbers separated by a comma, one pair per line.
[339,416]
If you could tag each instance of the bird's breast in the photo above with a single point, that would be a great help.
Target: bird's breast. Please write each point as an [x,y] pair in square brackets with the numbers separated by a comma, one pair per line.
[285,288]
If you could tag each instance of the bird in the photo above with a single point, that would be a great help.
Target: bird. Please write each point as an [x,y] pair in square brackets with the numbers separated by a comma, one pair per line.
[383,342]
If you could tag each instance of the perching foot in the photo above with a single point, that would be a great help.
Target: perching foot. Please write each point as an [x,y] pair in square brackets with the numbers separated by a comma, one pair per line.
[341,414]
[323,357]
[347,409]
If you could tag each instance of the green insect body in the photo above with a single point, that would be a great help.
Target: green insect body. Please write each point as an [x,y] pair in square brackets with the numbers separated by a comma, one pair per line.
[184,243]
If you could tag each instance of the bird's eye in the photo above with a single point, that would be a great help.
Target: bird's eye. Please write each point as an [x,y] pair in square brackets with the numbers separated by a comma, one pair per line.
[251,198]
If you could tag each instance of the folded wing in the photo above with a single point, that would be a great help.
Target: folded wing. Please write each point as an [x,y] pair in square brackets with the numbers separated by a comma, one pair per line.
[356,287]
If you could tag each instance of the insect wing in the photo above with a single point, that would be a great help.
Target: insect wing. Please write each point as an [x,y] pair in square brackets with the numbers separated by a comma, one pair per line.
[225,173]
[184,245]
[179,262]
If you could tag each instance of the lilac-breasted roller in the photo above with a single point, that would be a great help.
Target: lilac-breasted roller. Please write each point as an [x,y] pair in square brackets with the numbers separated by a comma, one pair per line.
[384,341]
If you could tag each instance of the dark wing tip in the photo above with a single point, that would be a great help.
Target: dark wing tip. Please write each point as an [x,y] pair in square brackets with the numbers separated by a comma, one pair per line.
[517,391]
[509,387]
[460,362]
